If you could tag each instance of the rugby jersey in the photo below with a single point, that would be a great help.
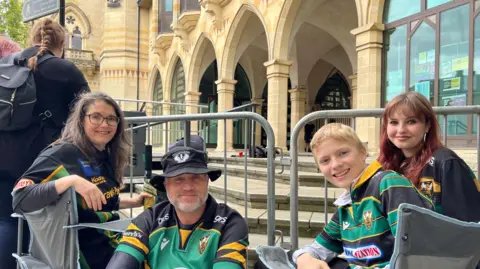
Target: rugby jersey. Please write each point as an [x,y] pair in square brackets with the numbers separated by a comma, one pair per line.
[64,159]
[158,240]
[364,228]
[452,186]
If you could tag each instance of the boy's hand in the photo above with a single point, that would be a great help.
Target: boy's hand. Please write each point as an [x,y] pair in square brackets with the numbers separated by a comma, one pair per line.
[306,261]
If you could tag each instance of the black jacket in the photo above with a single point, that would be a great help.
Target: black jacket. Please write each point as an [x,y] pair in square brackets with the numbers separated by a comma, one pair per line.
[58,82]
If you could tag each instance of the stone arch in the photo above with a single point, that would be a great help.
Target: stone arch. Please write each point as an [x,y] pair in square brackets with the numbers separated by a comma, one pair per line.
[82,20]
[368,11]
[154,72]
[198,63]
[227,64]
[283,33]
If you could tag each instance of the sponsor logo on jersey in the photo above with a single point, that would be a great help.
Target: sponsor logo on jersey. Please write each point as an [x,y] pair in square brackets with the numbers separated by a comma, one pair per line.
[220,219]
[367,219]
[133,233]
[164,243]
[202,245]
[182,156]
[432,161]
[363,253]
[345,225]
[163,219]
[22,183]
[428,186]
[98,180]
[89,169]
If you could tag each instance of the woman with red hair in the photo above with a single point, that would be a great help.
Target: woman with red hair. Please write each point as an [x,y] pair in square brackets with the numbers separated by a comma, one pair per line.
[410,144]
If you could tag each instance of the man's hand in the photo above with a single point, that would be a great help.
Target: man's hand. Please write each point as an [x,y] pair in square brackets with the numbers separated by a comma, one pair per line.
[306,261]
[137,201]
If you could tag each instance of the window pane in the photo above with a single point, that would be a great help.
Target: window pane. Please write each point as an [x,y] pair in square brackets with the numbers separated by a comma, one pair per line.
[434,3]
[422,61]
[476,70]
[76,42]
[453,84]
[395,47]
[168,5]
[398,9]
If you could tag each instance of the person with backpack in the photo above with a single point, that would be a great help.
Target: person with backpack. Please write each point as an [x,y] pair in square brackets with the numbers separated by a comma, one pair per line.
[37,90]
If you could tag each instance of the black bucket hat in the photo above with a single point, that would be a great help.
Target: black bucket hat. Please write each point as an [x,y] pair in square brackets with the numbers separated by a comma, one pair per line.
[181,160]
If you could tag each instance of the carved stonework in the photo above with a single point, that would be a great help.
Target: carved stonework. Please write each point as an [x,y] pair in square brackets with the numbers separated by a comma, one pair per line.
[182,34]
[215,9]
[113,3]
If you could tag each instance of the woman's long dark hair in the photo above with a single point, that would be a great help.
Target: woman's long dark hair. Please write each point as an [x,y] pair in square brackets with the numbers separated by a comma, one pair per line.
[118,148]
[391,157]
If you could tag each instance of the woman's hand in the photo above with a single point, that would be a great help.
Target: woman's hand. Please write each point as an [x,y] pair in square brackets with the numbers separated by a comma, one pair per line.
[90,192]
[137,201]
[306,261]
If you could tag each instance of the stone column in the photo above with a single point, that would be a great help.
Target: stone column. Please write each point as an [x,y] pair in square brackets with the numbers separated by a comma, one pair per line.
[277,75]
[225,90]
[298,98]
[192,98]
[369,42]
[258,128]
[353,86]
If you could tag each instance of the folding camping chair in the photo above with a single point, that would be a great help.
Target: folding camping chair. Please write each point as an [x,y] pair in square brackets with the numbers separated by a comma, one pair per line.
[425,239]
[428,240]
[54,234]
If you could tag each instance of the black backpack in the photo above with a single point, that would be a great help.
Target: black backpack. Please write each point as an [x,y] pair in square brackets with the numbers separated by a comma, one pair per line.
[18,93]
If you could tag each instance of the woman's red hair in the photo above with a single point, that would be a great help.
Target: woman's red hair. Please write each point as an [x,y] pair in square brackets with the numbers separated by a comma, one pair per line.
[392,158]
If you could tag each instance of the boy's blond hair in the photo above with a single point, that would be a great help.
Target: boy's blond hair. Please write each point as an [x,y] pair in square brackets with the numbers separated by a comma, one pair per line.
[336,131]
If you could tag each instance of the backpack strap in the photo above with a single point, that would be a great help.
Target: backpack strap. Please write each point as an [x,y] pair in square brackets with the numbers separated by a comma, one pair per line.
[45,58]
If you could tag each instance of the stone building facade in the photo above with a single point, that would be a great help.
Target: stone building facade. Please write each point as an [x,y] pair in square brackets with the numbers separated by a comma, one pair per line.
[290,57]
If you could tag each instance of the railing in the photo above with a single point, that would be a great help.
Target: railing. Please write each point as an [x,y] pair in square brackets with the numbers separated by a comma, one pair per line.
[247,116]
[83,59]
[159,132]
[353,114]
[85,55]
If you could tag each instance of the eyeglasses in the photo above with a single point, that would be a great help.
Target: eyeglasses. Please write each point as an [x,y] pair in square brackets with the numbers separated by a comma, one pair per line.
[97,119]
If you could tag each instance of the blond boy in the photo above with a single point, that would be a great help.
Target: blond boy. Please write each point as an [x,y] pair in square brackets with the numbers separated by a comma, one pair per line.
[364,226]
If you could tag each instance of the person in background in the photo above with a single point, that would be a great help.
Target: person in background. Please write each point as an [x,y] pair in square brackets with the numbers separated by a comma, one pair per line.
[90,156]
[365,224]
[410,144]
[58,82]
[8,46]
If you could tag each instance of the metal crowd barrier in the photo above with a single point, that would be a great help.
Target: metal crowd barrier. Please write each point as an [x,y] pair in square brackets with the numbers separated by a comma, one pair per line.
[354,114]
[149,121]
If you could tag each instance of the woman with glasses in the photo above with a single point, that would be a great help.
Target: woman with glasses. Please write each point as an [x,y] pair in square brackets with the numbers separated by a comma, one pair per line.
[90,156]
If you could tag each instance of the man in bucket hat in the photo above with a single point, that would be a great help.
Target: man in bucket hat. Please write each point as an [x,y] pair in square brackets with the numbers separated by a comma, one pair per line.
[190,230]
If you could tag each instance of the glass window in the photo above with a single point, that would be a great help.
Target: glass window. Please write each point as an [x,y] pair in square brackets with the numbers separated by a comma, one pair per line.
[398,9]
[77,39]
[157,130]
[177,95]
[476,70]
[422,61]
[434,3]
[453,76]
[168,5]
[395,46]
